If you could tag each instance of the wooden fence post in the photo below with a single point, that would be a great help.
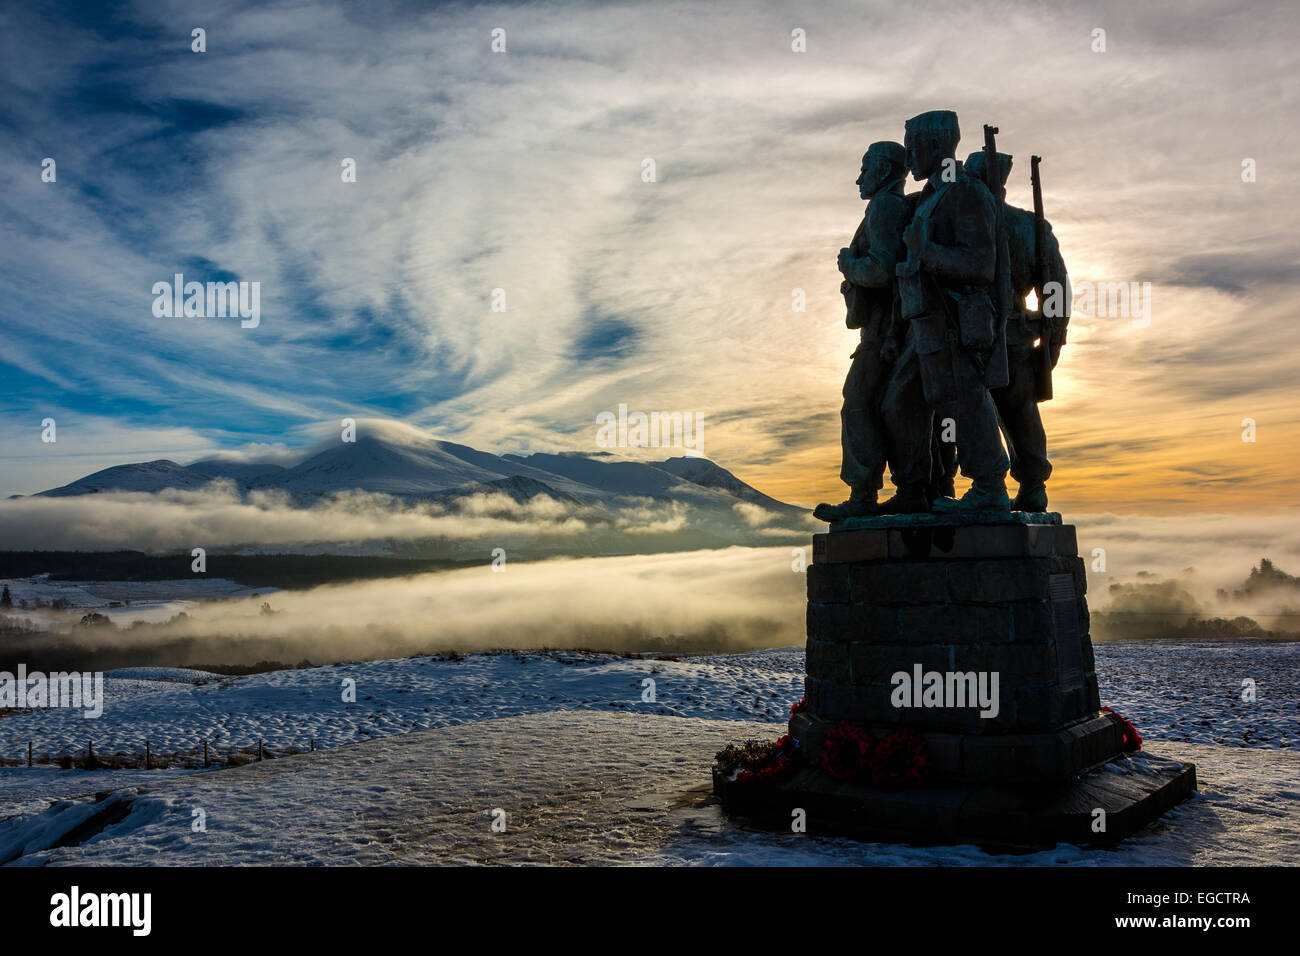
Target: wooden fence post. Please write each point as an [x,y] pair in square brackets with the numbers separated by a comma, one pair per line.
[29,753]
[148,755]
[259,750]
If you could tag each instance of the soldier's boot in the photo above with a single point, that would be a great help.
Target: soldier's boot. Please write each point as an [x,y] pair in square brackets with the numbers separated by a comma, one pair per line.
[908,500]
[943,489]
[982,496]
[861,504]
[1031,497]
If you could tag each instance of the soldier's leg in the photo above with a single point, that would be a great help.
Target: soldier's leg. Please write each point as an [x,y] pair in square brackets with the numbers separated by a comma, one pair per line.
[861,429]
[908,421]
[862,438]
[980,454]
[1026,438]
[943,462]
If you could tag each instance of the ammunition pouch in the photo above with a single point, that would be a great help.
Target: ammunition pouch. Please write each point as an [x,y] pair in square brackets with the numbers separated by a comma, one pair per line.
[852,309]
[975,320]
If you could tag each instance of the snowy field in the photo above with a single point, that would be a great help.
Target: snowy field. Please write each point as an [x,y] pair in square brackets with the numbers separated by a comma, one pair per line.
[1171,691]
[579,788]
[1176,693]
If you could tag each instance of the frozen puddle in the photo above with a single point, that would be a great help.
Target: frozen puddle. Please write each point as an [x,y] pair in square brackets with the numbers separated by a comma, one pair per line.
[575,787]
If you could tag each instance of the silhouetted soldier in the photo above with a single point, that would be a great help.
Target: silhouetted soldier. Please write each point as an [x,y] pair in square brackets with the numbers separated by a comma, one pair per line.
[955,348]
[1017,407]
[870,294]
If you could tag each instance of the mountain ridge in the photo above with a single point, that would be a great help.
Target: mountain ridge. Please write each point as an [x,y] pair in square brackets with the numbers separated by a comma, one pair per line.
[423,467]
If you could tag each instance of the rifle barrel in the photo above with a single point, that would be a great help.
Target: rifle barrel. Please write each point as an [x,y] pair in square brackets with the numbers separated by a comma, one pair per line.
[1043,380]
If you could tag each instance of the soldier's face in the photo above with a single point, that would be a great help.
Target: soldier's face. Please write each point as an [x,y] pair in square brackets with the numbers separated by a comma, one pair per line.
[922,157]
[869,177]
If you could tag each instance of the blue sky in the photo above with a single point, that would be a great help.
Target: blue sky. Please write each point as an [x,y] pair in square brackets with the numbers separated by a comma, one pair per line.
[522,171]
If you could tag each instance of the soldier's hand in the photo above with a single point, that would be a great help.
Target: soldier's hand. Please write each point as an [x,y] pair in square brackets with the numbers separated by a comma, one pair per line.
[914,238]
[889,352]
[1058,339]
[842,261]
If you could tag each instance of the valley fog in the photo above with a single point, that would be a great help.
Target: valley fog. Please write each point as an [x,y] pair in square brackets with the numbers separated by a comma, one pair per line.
[733,599]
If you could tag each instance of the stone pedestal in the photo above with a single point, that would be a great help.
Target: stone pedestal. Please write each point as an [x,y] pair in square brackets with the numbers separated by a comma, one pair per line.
[956,605]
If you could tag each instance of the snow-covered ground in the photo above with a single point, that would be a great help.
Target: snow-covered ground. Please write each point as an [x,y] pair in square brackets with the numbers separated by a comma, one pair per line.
[1192,690]
[294,707]
[1171,691]
[1178,694]
[578,788]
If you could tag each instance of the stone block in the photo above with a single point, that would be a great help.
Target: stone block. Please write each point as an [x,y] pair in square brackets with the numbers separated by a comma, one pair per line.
[856,703]
[828,660]
[850,546]
[809,731]
[1016,664]
[1039,708]
[831,622]
[954,720]
[812,693]
[899,583]
[1032,621]
[1014,757]
[955,624]
[997,581]
[945,754]
[994,541]
[1074,702]
[1097,739]
[851,623]
[1093,697]
[877,663]
[828,583]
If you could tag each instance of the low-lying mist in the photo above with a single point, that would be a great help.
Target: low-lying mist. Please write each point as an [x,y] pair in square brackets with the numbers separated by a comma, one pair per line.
[1191,576]
[712,601]
[1148,578]
[220,517]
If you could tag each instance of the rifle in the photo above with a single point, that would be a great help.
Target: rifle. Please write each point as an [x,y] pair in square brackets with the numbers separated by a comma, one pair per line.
[1043,368]
[1001,269]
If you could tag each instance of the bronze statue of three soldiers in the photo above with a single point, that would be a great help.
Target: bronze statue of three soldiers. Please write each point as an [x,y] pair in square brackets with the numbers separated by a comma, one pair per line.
[951,359]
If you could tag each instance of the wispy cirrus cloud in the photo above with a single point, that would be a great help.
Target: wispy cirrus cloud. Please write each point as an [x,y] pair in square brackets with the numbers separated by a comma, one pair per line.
[523,172]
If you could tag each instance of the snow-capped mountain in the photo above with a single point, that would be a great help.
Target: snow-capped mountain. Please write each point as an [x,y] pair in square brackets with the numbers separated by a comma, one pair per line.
[242,472]
[408,465]
[145,476]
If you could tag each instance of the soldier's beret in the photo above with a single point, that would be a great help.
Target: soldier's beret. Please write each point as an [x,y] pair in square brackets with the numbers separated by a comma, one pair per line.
[934,121]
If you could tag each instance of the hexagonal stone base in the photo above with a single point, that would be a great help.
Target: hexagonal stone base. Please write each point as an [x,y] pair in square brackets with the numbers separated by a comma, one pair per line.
[1131,791]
